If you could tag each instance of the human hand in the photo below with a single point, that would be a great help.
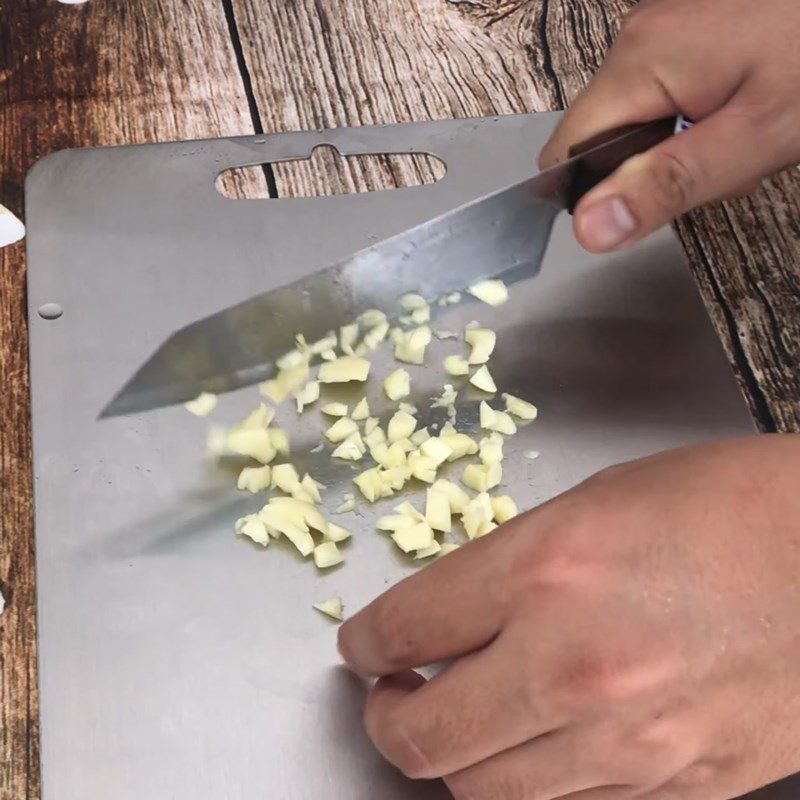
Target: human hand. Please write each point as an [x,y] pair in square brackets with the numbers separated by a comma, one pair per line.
[733,66]
[636,637]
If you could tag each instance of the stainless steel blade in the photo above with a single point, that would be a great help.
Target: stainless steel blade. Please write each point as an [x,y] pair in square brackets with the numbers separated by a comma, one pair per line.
[504,234]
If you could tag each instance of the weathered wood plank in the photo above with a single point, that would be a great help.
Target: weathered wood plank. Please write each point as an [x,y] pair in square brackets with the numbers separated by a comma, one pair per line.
[315,64]
[318,64]
[111,72]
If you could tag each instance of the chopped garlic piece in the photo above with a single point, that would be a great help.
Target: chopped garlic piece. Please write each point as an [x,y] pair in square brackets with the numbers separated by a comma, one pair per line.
[327,555]
[531,454]
[328,355]
[456,496]
[348,504]
[340,430]
[420,436]
[258,418]
[456,365]
[447,548]
[483,380]
[374,337]
[408,510]
[411,346]
[343,370]
[390,457]
[254,479]
[520,408]
[323,345]
[285,477]
[361,411]
[413,301]
[437,510]
[332,608]
[348,335]
[396,335]
[445,334]
[294,358]
[375,437]
[307,395]
[422,467]
[417,537]
[482,477]
[499,421]
[252,442]
[202,405]
[397,385]
[279,440]
[335,409]
[372,317]
[427,552]
[254,528]
[396,522]
[317,448]
[482,341]
[287,381]
[301,513]
[351,449]
[401,426]
[370,424]
[477,516]
[493,293]
[491,450]
[335,533]
[312,487]
[436,449]
[504,508]
[421,315]
[447,400]
[395,478]
[371,485]
[460,444]
[272,517]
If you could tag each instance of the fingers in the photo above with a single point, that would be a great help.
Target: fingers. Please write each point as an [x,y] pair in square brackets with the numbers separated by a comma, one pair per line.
[559,765]
[710,161]
[616,97]
[451,608]
[483,704]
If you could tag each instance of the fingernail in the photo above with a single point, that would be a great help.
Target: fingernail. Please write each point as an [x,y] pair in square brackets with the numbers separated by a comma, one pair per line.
[607,224]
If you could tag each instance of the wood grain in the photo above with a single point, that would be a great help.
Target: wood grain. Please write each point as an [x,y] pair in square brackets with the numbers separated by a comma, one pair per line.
[72,76]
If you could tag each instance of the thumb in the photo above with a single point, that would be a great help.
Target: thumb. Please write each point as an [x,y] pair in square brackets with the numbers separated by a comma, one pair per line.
[712,160]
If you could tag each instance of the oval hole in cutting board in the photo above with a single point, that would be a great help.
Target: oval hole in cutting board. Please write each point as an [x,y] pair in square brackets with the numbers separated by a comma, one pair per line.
[327,172]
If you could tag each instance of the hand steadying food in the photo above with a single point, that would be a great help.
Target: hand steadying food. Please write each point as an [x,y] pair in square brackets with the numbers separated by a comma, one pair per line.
[638,636]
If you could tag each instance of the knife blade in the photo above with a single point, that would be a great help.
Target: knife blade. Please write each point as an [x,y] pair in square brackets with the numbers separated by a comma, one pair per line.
[503,234]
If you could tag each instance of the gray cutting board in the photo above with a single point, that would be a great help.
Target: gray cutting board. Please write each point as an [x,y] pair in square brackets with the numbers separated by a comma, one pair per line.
[178,661]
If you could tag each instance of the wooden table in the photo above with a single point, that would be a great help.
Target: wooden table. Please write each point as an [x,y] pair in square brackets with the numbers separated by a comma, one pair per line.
[122,71]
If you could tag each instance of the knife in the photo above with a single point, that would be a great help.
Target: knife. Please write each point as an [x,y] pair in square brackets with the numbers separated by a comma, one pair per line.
[502,235]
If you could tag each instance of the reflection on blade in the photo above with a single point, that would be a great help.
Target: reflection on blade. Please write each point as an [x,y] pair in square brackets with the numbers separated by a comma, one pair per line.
[504,234]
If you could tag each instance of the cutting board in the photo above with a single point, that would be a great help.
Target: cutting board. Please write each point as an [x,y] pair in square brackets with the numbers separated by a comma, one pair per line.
[178,661]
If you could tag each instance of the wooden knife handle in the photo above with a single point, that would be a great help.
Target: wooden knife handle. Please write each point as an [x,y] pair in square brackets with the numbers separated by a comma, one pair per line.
[603,154]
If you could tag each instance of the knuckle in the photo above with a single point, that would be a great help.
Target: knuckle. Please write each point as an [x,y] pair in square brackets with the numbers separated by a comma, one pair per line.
[671,182]
[565,554]
[391,735]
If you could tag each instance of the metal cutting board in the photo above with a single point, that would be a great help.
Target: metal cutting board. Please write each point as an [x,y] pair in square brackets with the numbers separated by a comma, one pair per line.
[176,660]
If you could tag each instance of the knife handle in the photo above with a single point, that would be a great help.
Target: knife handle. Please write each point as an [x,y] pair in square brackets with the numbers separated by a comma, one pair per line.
[598,160]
